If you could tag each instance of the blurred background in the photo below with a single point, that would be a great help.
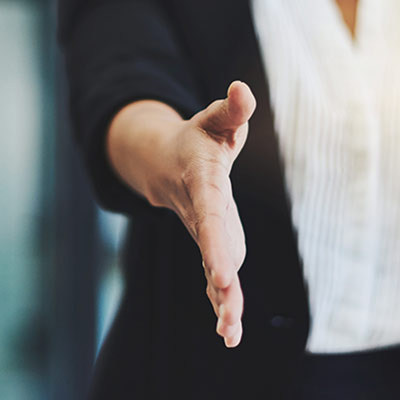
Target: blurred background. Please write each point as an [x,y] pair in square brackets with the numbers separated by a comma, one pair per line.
[59,276]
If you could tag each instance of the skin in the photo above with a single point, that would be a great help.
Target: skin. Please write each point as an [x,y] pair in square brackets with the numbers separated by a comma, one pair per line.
[184,165]
[349,10]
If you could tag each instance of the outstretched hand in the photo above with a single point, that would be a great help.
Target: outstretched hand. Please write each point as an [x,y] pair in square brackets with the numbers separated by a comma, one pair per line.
[208,147]
[185,166]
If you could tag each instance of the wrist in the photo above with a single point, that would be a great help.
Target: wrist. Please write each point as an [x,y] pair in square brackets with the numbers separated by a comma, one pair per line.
[141,146]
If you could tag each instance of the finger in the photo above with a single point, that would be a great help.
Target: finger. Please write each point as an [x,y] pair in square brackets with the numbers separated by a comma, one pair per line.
[214,246]
[211,204]
[237,236]
[241,102]
[223,117]
[231,303]
[227,304]
[234,340]
[228,331]
[213,297]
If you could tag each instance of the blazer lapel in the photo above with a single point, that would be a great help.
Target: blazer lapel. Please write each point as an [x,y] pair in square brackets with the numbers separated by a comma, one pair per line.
[220,40]
[272,274]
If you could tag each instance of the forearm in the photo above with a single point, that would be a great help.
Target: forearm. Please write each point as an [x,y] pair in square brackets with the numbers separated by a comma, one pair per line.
[140,144]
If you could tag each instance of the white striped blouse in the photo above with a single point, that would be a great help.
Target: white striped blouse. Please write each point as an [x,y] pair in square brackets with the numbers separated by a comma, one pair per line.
[337,116]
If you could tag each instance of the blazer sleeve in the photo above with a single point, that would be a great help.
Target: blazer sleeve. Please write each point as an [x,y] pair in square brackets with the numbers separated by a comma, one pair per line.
[118,51]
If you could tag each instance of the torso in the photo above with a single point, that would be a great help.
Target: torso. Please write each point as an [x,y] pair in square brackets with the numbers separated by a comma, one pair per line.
[349,9]
[336,100]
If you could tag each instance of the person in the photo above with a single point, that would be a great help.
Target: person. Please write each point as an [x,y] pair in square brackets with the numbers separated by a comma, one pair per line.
[284,190]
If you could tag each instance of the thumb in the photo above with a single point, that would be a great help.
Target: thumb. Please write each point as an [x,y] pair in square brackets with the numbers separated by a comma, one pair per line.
[223,118]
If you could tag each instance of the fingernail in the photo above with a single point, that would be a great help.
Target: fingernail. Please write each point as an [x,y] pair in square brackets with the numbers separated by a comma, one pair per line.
[233,341]
[229,342]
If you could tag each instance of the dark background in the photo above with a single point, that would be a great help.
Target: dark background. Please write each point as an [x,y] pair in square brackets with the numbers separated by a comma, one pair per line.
[59,276]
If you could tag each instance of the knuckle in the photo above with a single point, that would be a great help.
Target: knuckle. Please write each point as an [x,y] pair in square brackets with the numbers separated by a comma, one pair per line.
[222,279]
[230,317]
[239,260]
[237,263]
[240,255]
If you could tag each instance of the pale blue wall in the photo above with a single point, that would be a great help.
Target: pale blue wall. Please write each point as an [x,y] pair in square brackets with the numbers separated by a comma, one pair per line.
[20,168]
[37,264]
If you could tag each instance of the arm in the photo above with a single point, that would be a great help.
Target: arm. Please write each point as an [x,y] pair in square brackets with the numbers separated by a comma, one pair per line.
[184,165]
[120,53]
[116,52]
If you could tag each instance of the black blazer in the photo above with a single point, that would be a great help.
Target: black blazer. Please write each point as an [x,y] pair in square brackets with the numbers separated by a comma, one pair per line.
[163,343]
